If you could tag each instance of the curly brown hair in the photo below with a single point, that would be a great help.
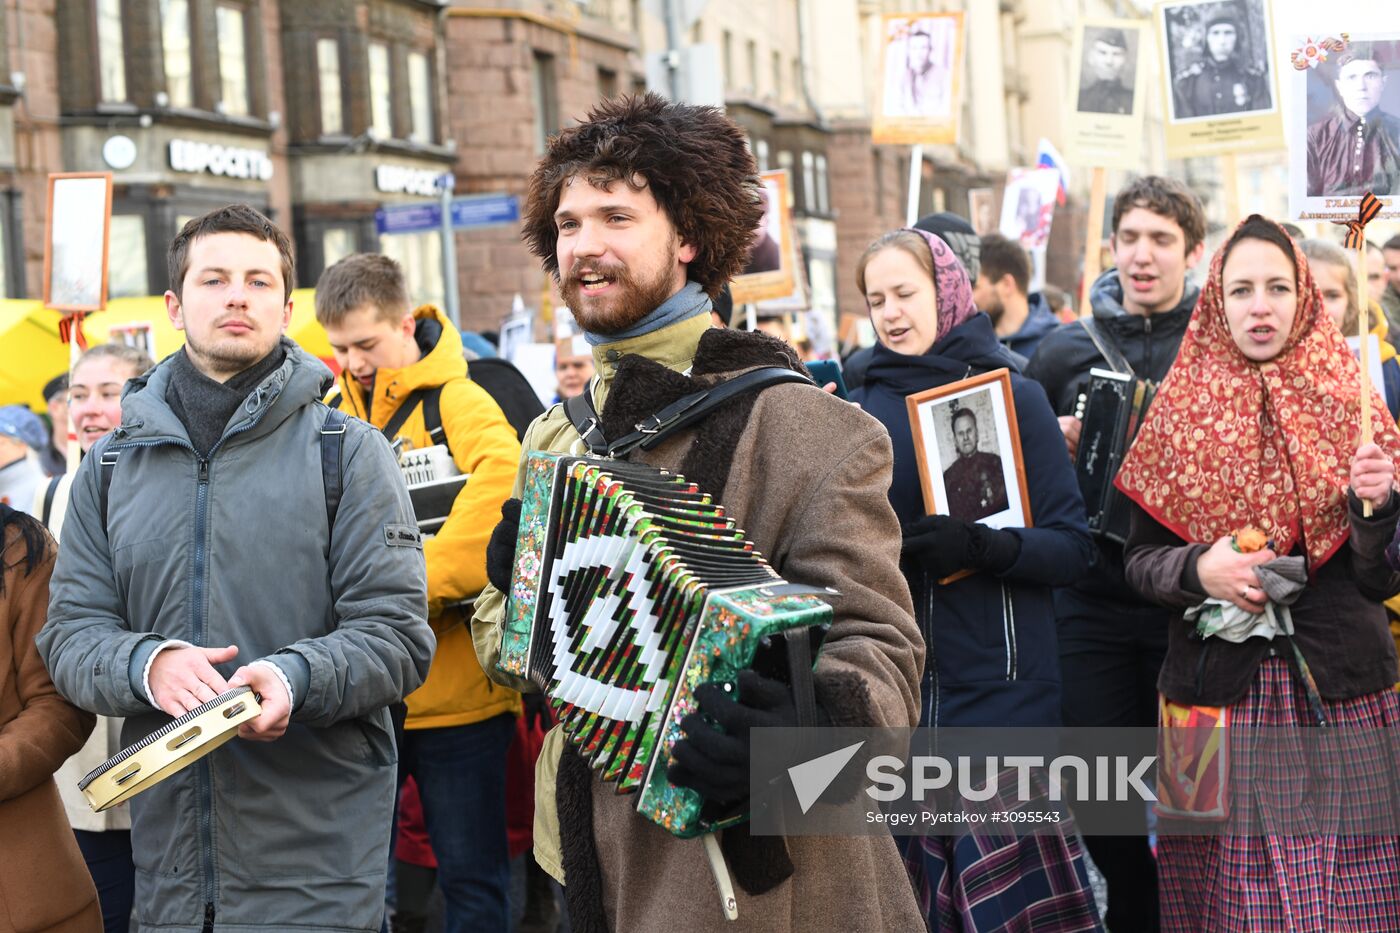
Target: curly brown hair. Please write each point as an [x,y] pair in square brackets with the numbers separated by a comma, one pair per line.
[695,161]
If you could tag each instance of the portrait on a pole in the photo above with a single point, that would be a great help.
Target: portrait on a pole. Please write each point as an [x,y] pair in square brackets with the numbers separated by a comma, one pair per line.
[1106,124]
[770,272]
[1221,91]
[76,241]
[921,65]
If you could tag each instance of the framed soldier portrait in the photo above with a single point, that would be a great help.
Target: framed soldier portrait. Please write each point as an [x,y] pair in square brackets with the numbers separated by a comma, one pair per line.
[771,271]
[1344,125]
[1221,93]
[969,451]
[1106,125]
[921,62]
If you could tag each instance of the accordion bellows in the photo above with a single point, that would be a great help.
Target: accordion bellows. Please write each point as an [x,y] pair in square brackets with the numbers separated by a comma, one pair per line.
[631,588]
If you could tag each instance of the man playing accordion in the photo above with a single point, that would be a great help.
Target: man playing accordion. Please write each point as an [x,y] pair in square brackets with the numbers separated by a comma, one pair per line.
[643,213]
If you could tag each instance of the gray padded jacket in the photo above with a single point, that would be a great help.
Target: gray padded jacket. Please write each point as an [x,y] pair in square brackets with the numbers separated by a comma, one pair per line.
[286,835]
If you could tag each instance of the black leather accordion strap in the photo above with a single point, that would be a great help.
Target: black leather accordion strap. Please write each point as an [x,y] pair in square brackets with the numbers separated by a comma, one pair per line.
[680,414]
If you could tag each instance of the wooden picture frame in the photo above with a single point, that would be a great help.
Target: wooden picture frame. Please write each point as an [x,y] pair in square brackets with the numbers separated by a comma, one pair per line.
[921,69]
[769,272]
[990,477]
[77,240]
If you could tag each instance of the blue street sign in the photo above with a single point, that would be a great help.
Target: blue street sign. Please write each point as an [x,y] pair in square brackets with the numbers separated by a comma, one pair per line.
[468,212]
[408,218]
[485,210]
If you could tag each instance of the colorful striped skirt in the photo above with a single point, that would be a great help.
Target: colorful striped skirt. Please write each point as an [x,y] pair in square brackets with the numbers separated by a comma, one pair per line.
[1301,882]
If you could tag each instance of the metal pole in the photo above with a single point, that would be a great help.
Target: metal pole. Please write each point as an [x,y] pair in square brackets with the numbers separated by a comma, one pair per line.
[673,50]
[916,177]
[447,184]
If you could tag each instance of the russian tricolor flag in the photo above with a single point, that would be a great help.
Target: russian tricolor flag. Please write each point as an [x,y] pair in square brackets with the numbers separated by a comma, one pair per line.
[1047,156]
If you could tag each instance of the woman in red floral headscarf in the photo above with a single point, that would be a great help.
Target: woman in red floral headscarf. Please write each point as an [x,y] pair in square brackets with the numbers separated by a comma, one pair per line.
[1257,428]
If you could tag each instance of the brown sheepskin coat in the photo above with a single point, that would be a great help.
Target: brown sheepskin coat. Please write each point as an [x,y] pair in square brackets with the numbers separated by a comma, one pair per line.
[44,885]
[805,475]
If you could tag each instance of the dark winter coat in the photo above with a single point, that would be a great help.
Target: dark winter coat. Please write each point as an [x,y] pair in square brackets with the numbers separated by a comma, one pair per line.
[1340,622]
[992,653]
[1062,363]
[1040,322]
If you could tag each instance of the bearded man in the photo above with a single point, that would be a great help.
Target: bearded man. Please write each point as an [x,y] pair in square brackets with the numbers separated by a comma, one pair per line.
[643,213]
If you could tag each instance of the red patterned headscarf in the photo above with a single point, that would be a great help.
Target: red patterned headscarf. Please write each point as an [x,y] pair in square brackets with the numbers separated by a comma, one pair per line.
[1229,443]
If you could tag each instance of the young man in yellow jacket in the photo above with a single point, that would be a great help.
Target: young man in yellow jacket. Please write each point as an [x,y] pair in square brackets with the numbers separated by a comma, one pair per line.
[459,722]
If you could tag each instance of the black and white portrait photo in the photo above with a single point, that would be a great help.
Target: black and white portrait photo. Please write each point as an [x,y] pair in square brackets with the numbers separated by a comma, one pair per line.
[1218,61]
[1353,119]
[974,478]
[969,451]
[919,67]
[1107,68]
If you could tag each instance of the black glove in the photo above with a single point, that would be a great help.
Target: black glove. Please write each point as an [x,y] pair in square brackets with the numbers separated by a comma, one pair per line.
[715,761]
[537,711]
[500,550]
[947,545]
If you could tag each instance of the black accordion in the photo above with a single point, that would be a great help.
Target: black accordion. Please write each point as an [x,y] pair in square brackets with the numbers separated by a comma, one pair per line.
[630,589]
[1112,407]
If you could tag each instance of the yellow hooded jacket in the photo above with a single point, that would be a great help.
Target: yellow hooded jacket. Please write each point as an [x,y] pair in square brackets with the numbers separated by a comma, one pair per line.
[483,445]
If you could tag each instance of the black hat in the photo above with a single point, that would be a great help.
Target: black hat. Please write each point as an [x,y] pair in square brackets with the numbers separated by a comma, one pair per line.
[55,385]
[960,237]
[1113,37]
[1224,17]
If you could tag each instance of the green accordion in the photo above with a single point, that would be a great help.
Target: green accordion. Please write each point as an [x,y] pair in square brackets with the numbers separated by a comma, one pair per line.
[630,589]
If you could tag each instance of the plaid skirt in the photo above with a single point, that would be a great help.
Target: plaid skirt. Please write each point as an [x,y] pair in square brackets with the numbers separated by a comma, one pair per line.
[1301,882]
[984,882]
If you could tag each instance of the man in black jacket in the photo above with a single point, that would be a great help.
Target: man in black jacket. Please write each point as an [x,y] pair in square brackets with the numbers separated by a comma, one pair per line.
[1112,641]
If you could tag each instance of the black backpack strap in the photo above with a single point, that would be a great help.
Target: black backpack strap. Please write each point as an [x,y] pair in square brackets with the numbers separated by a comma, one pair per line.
[432,417]
[46,512]
[332,448]
[402,413]
[691,408]
[1107,347]
[584,417]
[106,466]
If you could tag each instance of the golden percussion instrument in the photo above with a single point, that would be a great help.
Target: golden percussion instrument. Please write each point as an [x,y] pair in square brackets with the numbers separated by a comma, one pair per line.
[170,748]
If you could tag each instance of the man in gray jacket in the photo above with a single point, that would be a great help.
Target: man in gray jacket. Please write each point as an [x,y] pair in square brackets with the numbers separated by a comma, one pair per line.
[219,538]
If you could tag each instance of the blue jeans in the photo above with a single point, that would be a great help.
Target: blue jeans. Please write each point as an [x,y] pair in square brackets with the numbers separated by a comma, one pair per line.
[461,775]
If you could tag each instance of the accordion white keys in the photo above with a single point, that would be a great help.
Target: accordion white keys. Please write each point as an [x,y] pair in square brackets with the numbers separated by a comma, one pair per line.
[631,588]
[433,484]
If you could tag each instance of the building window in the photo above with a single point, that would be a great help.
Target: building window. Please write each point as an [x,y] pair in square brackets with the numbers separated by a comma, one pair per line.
[809,183]
[727,44]
[328,78]
[381,118]
[420,255]
[823,190]
[111,62]
[420,98]
[760,154]
[126,260]
[796,79]
[696,33]
[753,66]
[336,244]
[175,48]
[777,76]
[233,61]
[546,100]
[607,83]
[785,163]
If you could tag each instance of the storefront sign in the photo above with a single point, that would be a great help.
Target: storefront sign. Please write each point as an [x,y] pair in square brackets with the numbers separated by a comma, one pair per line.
[468,212]
[224,161]
[400,179]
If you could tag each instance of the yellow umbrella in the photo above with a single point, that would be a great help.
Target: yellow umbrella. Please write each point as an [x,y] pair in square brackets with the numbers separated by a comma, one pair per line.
[33,353]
